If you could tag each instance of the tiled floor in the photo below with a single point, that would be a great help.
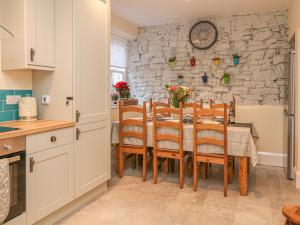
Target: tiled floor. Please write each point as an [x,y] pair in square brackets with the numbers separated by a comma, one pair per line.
[130,201]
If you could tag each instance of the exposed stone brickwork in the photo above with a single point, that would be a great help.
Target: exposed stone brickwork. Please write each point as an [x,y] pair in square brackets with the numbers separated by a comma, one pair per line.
[260,78]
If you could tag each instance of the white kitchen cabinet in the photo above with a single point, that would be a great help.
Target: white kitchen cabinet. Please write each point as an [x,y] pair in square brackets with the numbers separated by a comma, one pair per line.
[92,87]
[82,33]
[32,24]
[92,158]
[50,181]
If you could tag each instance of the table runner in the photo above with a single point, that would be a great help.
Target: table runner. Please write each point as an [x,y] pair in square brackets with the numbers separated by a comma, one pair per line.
[240,140]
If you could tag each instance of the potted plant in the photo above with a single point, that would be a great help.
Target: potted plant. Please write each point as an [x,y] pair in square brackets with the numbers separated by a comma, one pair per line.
[122,89]
[236,59]
[172,62]
[205,78]
[226,78]
[114,98]
[178,94]
[217,61]
[180,80]
[193,61]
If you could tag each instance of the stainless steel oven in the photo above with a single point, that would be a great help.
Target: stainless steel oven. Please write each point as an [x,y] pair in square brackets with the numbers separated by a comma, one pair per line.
[14,151]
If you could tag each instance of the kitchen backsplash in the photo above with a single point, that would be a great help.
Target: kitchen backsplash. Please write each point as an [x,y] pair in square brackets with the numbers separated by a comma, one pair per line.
[10,112]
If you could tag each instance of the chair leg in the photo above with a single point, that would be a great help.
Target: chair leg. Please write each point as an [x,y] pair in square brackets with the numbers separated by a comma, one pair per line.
[230,170]
[154,169]
[248,164]
[203,170]
[144,166]
[181,173]
[121,164]
[195,174]
[190,166]
[133,161]
[225,179]
[117,158]
[166,165]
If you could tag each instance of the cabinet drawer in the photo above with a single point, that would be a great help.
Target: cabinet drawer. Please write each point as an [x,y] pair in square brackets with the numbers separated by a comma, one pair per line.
[50,139]
[12,145]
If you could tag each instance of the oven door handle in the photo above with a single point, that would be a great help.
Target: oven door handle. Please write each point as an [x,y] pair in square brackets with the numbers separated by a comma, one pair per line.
[14,159]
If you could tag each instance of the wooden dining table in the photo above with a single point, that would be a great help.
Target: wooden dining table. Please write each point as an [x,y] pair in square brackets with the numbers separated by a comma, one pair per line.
[241,144]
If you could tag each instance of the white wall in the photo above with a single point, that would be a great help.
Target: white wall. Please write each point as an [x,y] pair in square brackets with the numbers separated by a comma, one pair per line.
[15,79]
[123,28]
[260,78]
[294,16]
[269,121]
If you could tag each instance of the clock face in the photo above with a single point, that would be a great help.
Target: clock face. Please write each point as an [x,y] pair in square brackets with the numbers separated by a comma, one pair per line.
[203,35]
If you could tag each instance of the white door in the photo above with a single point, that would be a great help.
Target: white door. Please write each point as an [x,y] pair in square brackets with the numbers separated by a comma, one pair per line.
[92,156]
[40,33]
[91,45]
[50,181]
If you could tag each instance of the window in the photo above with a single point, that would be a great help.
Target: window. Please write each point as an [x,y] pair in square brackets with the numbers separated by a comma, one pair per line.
[117,74]
[118,59]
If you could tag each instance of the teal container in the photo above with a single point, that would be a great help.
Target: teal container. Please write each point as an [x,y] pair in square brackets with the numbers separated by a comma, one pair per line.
[236,60]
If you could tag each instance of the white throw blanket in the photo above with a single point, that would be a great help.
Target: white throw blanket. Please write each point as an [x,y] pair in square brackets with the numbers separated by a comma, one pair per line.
[4,189]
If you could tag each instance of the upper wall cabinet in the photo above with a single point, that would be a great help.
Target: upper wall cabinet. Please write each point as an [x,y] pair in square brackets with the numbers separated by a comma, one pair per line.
[32,24]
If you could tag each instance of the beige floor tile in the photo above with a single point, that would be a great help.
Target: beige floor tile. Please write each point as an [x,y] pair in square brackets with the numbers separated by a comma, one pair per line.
[133,202]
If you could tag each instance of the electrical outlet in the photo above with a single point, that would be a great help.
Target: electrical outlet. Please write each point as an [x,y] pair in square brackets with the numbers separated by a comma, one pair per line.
[12,99]
[45,99]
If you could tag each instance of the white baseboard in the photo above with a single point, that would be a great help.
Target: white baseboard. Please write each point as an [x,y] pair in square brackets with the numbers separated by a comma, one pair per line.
[297,178]
[271,159]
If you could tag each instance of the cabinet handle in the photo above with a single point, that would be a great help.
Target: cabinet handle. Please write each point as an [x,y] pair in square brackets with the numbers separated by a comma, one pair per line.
[32,53]
[77,116]
[77,133]
[7,147]
[31,164]
[53,139]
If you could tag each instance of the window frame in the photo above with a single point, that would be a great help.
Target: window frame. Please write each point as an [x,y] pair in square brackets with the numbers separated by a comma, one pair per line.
[119,70]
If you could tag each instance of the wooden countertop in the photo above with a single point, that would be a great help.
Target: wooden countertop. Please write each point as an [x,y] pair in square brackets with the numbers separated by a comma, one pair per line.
[27,128]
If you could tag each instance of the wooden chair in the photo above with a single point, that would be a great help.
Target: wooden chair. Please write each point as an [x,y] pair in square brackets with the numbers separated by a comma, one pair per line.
[157,137]
[221,159]
[230,107]
[160,104]
[292,214]
[188,108]
[190,105]
[142,135]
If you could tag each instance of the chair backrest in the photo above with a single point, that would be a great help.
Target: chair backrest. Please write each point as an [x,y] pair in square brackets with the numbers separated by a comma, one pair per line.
[230,107]
[141,123]
[176,125]
[160,104]
[189,107]
[221,128]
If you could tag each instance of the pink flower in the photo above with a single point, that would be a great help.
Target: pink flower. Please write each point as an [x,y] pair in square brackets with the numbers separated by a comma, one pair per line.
[173,88]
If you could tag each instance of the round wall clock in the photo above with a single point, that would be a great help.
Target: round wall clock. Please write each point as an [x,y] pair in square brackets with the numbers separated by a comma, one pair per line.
[203,35]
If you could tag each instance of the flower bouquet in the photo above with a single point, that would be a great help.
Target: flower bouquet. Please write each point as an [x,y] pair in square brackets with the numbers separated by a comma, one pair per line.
[122,88]
[178,94]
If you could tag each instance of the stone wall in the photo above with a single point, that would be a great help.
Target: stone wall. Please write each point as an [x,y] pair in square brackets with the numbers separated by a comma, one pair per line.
[260,78]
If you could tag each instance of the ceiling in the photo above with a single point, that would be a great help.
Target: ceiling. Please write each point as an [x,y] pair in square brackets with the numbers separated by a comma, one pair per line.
[153,12]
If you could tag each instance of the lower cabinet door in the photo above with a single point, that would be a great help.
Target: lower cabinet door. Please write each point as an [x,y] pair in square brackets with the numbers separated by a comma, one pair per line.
[92,156]
[50,181]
